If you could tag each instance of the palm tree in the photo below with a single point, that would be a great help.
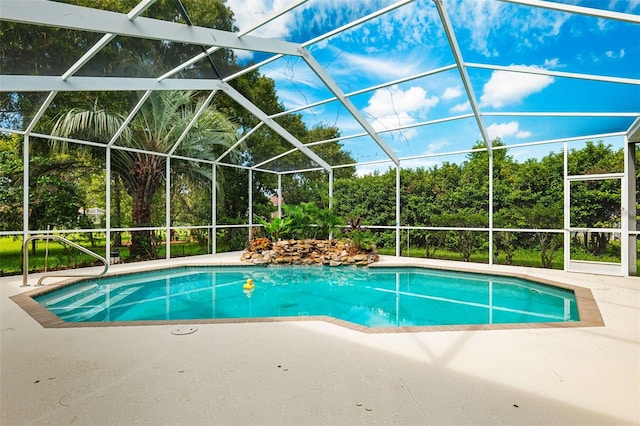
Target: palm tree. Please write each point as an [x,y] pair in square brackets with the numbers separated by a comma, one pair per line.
[155,129]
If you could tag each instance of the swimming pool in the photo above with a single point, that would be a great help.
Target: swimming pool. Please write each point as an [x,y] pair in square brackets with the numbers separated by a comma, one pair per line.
[370,297]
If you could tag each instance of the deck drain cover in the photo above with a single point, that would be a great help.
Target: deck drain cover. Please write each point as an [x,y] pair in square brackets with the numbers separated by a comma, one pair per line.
[181,331]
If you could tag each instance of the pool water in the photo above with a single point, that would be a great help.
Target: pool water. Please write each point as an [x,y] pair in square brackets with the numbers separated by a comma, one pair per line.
[372,297]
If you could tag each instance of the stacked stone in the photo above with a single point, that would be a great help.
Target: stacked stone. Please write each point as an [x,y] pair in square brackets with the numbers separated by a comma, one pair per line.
[311,252]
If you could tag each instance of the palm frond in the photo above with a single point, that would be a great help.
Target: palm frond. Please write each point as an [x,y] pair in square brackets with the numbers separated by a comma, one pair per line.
[94,124]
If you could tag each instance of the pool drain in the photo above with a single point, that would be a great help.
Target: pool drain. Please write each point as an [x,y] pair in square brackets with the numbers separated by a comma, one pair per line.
[182,331]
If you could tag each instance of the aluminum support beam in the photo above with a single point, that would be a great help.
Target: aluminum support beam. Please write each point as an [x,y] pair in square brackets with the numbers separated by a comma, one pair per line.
[54,14]
[566,207]
[45,83]
[581,10]
[629,211]
[490,171]
[280,196]
[132,114]
[214,208]
[249,106]
[26,153]
[346,102]
[211,50]
[106,39]
[167,207]
[633,134]
[398,212]
[466,81]
[625,203]
[43,107]
[540,71]
[107,204]
[250,206]
[239,142]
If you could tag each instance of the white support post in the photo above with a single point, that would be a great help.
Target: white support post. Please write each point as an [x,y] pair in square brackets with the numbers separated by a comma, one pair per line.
[280,195]
[628,210]
[167,207]
[567,209]
[398,250]
[214,209]
[490,207]
[25,189]
[331,197]
[107,201]
[250,203]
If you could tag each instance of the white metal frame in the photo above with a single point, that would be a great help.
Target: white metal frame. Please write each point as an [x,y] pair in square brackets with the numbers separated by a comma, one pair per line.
[113,25]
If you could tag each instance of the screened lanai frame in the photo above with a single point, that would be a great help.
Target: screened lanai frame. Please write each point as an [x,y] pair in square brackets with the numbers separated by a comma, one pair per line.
[133,24]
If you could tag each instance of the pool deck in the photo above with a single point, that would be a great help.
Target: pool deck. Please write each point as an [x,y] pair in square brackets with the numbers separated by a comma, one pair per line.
[318,372]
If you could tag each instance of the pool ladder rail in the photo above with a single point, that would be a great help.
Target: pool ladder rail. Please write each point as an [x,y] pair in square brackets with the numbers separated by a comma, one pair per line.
[25,259]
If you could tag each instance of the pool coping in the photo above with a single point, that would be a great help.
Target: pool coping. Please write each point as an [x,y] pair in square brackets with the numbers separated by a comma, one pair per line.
[588,310]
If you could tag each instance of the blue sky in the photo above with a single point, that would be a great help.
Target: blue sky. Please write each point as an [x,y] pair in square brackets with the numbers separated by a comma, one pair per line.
[410,40]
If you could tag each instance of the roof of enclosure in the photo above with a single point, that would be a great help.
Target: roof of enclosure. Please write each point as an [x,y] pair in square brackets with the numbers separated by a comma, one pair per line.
[400,79]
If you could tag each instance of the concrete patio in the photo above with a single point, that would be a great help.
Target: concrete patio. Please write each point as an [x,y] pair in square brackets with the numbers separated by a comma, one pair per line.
[313,372]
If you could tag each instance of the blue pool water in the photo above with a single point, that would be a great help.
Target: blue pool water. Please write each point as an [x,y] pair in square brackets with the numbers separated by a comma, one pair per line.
[371,297]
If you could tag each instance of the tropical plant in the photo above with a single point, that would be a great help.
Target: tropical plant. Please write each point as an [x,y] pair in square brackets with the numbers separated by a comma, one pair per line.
[328,221]
[361,238]
[163,125]
[302,218]
[276,228]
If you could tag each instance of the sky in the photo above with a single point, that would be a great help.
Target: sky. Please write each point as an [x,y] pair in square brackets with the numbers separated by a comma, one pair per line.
[410,41]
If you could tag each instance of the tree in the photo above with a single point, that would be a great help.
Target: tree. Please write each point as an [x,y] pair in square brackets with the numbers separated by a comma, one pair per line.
[55,196]
[462,241]
[54,203]
[10,185]
[156,128]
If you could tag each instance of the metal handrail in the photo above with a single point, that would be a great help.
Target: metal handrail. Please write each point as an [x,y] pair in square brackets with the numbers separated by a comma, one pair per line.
[25,259]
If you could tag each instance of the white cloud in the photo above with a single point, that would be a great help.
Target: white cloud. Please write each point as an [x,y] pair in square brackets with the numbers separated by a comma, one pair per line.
[451,93]
[463,107]
[506,87]
[615,55]
[250,12]
[511,128]
[384,67]
[481,17]
[392,107]
[393,100]
[486,20]
[551,63]
[631,5]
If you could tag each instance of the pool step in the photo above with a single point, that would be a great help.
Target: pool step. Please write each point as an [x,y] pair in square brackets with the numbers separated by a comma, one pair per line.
[83,309]
[49,299]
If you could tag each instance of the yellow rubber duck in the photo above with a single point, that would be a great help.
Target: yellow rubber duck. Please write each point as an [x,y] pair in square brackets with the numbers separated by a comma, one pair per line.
[248,285]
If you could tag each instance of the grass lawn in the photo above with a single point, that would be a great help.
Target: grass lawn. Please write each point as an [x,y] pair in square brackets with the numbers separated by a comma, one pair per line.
[60,257]
[523,257]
